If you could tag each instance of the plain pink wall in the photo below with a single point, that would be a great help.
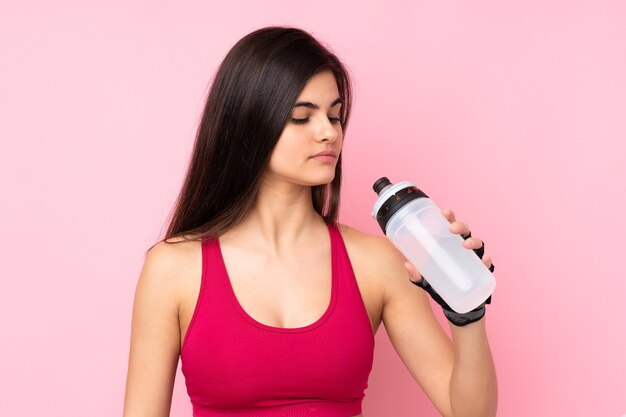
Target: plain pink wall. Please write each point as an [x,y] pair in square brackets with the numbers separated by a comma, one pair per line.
[513,115]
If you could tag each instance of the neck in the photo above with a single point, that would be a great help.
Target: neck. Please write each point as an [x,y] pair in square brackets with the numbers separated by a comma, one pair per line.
[282,218]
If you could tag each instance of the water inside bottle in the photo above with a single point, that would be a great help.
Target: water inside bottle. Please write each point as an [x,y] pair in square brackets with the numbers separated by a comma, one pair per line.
[433,258]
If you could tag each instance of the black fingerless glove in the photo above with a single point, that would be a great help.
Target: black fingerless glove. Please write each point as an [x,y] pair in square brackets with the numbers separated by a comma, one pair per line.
[458,319]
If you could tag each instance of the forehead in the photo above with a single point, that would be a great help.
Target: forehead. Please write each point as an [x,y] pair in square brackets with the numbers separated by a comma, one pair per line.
[320,89]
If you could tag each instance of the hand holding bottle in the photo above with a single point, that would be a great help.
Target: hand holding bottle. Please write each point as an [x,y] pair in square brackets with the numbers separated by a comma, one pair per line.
[457,279]
[458,228]
[478,247]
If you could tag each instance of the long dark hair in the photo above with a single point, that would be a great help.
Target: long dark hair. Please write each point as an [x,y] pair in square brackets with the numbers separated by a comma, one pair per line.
[248,105]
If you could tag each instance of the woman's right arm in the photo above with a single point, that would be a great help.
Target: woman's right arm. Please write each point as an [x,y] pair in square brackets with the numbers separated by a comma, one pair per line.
[155,337]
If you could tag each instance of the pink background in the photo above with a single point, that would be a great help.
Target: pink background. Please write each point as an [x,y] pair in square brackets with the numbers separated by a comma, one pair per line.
[513,115]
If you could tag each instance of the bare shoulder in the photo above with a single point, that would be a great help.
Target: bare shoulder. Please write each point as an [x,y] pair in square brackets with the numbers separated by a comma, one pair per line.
[377,247]
[168,264]
[178,250]
[383,261]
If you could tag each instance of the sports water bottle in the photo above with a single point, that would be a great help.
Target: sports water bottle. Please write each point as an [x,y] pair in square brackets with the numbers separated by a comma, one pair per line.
[416,226]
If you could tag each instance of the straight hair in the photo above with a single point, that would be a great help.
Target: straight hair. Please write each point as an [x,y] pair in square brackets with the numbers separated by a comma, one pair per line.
[248,104]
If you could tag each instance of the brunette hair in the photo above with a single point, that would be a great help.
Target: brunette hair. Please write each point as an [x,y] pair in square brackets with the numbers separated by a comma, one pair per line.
[248,105]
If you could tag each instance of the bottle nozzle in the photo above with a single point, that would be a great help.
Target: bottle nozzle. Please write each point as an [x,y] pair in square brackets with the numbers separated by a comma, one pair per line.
[380,184]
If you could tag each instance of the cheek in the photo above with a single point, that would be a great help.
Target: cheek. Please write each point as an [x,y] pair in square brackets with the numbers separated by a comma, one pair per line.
[287,153]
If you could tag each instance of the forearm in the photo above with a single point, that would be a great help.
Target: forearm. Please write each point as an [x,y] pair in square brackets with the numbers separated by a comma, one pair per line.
[473,384]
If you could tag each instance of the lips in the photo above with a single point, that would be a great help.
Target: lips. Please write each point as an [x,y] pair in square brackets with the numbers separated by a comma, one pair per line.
[325,153]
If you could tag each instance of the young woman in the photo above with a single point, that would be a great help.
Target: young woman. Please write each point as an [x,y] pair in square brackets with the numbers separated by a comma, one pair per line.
[271,305]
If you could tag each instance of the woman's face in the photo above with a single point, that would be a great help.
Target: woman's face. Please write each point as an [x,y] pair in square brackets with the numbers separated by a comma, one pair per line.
[313,126]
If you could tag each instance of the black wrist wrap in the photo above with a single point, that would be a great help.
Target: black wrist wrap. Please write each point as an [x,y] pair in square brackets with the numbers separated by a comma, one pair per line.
[458,319]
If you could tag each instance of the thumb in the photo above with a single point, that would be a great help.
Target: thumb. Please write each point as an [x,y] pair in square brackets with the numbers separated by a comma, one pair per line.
[412,271]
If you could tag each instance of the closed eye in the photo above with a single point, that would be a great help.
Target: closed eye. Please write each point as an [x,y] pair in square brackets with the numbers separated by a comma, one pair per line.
[302,121]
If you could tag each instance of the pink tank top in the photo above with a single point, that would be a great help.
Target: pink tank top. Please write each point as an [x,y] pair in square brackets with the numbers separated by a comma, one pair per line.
[236,366]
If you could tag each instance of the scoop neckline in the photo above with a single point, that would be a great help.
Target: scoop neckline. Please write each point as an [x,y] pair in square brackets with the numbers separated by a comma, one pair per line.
[327,313]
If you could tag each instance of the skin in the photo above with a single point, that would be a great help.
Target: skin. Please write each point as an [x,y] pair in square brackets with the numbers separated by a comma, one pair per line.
[278,263]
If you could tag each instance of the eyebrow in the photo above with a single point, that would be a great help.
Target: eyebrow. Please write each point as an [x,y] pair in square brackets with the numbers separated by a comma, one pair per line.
[315,106]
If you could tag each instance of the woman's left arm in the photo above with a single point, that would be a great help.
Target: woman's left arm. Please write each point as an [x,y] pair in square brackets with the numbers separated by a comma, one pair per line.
[473,385]
[458,375]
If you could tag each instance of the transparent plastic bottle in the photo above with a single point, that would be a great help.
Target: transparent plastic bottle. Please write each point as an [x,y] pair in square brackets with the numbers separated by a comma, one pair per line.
[416,226]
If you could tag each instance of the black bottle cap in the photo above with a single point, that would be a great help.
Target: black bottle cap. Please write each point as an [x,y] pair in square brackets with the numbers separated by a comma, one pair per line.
[395,201]
[381,183]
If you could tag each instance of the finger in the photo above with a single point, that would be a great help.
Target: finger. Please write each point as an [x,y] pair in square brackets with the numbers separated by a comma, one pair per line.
[473,242]
[487,261]
[449,214]
[459,228]
[412,271]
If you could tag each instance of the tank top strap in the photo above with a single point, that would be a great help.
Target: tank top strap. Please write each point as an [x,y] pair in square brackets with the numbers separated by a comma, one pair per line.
[339,249]
[350,302]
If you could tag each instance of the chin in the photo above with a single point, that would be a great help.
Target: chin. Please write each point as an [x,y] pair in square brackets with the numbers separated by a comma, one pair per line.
[315,180]
[324,181]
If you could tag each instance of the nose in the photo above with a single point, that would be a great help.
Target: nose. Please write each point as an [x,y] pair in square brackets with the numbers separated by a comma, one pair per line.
[327,131]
